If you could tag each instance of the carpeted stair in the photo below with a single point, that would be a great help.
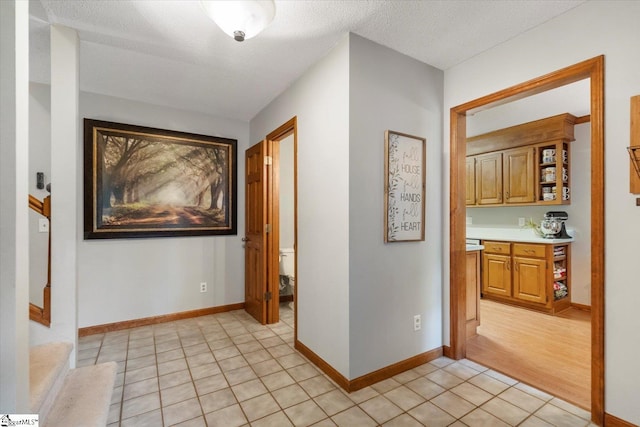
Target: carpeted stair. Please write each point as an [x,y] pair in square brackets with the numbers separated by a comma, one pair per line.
[63,397]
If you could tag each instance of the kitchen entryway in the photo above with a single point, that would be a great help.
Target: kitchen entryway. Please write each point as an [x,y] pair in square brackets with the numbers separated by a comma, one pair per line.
[508,336]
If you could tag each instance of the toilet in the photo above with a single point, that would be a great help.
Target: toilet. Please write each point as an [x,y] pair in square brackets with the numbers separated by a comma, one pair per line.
[287,269]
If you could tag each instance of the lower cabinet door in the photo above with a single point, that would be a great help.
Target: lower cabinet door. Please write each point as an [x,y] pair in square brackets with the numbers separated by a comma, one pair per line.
[529,279]
[496,274]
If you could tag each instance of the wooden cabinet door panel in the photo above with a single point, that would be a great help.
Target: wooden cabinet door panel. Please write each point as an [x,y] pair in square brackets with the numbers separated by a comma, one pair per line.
[471,181]
[473,293]
[529,279]
[496,274]
[489,179]
[473,297]
[519,181]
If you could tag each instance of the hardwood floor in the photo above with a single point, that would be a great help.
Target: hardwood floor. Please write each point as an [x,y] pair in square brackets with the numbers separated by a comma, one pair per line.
[551,353]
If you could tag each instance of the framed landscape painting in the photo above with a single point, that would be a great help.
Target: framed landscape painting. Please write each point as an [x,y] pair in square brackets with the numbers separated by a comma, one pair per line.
[147,182]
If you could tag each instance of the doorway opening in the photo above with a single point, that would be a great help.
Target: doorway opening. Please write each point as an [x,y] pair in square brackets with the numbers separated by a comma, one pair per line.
[271,225]
[534,305]
[593,70]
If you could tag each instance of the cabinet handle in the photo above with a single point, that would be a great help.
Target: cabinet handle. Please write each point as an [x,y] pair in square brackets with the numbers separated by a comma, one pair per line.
[515,264]
[508,266]
[529,251]
[506,195]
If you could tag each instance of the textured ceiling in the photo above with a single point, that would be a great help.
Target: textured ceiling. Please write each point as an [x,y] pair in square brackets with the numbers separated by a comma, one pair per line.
[170,53]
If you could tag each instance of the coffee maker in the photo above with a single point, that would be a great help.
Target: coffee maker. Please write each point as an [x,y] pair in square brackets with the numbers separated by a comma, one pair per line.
[552,226]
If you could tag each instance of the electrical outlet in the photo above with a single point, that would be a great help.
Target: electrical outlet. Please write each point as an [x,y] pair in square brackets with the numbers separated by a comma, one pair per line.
[521,222]
[203,287]
[43,225]
[417,322]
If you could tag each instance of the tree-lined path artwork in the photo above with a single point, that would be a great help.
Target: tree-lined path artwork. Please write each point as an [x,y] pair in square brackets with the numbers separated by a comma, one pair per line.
[145,182]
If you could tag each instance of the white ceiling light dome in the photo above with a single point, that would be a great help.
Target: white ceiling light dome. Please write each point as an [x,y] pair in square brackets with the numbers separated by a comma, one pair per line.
[240,19]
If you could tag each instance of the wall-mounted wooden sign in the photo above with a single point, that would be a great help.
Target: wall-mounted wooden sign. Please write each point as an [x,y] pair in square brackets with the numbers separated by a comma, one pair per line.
[404,199]
[634,181]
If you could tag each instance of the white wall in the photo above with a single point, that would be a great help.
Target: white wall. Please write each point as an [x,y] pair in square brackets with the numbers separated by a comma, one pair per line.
[65,149]
[347,276]
[591,29]
[390,283]
[287,234]
[14,248]
[39,161]
[123,279]
[320,100]
[126,279]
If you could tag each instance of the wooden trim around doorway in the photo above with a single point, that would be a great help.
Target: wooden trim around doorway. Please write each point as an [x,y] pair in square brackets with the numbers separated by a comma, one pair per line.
[592,69]
[283,131]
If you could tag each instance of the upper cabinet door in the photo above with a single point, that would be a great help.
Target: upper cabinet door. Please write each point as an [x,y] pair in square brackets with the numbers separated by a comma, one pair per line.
[489,179]
[471,181]
[519,181]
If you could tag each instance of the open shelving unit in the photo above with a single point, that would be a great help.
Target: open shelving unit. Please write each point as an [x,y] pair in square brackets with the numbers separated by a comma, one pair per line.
[561,277]
[554,184]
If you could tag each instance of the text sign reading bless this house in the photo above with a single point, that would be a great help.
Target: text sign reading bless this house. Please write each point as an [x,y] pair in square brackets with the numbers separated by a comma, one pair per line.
[405,187]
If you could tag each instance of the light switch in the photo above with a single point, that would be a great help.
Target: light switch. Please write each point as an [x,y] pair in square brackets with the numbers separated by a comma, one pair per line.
[43,225]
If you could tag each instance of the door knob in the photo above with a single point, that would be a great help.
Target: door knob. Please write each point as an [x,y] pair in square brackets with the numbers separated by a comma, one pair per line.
[245,239]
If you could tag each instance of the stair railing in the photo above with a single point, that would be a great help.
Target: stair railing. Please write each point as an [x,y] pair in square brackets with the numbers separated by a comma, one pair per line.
[43,314]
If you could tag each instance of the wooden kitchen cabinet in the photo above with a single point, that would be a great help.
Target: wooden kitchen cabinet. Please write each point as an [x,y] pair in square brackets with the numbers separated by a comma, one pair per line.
[519,179]
[489,179]
[530,272]
[471,181]
[473,292]
[511,167]
[533,275]
[496,269]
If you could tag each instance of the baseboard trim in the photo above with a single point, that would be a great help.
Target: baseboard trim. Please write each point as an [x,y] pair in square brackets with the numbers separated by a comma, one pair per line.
[447,352]
[324,366]
[613,421]
[395,369]
[135,323]
[370,378]
[581,307]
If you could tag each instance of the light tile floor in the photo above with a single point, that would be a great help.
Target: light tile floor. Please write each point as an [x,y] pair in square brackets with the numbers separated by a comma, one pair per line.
[227,370]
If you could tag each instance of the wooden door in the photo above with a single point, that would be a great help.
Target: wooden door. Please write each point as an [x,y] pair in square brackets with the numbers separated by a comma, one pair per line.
[519,182]
[496,274]
[530,279]
[471,181]
[489,179]
[255,241]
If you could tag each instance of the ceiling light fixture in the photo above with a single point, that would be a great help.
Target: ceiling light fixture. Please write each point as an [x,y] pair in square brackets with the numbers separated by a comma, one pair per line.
[240,19]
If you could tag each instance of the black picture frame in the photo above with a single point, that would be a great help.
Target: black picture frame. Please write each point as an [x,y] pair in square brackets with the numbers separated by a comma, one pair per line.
[146,182]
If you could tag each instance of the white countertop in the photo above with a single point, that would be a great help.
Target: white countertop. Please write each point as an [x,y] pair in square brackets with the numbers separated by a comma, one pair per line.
[511,234]
[471,248]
